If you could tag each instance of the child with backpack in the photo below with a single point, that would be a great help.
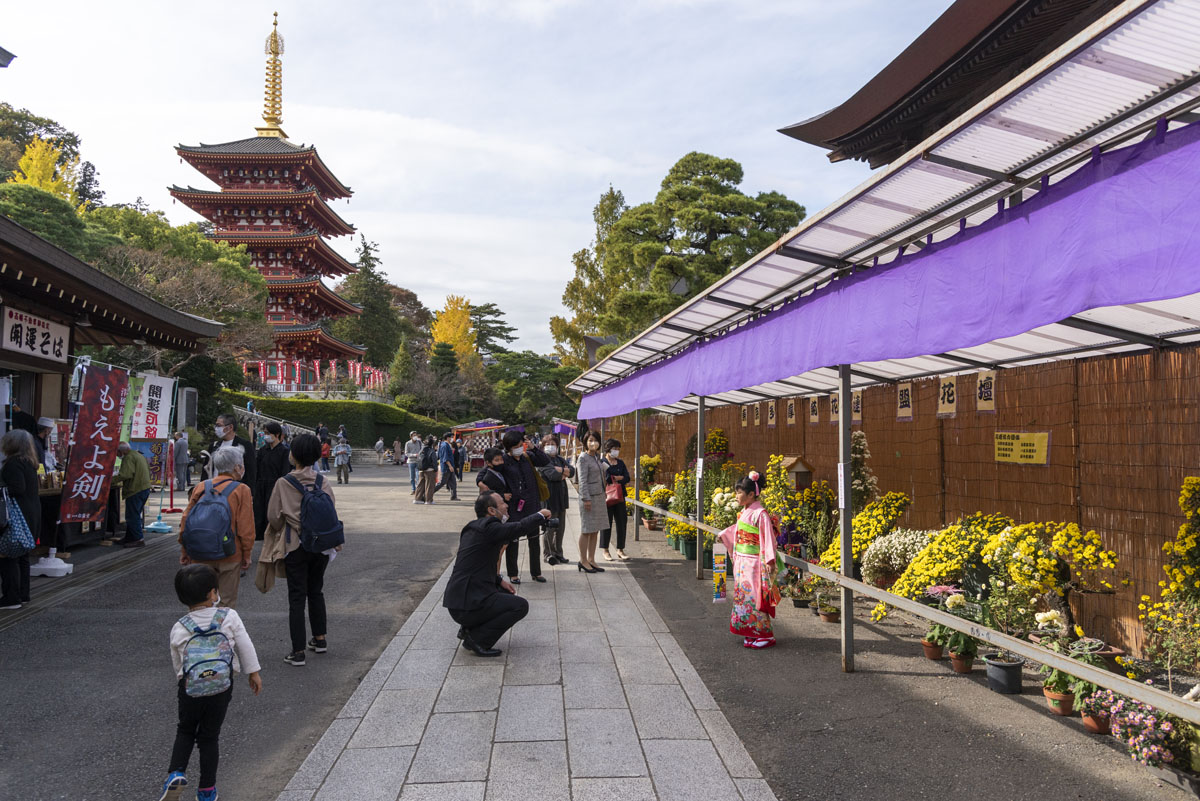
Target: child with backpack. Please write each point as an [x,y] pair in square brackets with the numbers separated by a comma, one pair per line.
[217,528]
[303,535]
[208,645]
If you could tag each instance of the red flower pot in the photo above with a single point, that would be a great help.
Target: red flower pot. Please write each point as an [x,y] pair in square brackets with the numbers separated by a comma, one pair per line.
[1096,724]
[932,651]
[1060,703]
[962,664]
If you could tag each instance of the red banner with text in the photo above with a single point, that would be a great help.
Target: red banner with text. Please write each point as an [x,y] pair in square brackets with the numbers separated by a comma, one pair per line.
[94,445]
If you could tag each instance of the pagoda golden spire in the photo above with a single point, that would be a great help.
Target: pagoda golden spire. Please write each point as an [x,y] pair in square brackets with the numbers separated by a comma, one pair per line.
[273,96]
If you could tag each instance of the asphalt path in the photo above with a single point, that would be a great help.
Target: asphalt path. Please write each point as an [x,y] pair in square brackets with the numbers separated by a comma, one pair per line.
[901,728]
[86,689]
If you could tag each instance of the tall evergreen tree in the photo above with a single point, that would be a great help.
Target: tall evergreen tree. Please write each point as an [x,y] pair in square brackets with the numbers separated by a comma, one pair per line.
[378,327]
[444,360]
[492,332]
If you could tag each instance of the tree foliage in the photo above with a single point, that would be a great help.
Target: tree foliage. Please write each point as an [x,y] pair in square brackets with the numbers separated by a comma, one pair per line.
[492,332]
[379,326]
[531,388]
[19,127]
[452,325]
[44,166]
[648,258]
[443,359]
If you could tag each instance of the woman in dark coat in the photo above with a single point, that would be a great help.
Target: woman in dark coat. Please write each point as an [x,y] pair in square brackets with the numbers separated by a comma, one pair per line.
[273,464]
[615,473]
[19,475]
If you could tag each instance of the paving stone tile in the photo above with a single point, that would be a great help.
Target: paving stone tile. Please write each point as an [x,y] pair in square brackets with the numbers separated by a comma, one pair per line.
[295,795]
[643,664]
[366,774]
[541,610]
[608,592]
[529,633]
[653,620]
[395,649]
[575,599]
[456,748]
[413,624]
[322,756]
[471,689]
[584,646]
[582,619]
[396,718]
[613,609]
[603,743]
[612,790]
[539,665]
[453,791]
[729,745]
[592,685]
[629,632]
[437,632]
[678,767]
[523,771]
[688,677]
[662,711]
[754,790]
[420,669]
[529,713]
[360,700]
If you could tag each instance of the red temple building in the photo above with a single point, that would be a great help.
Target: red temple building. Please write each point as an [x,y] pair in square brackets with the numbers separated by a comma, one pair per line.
[273,197]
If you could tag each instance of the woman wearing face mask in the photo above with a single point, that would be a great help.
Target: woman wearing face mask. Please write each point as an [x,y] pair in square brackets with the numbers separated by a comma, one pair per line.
[615,475]
[593,515]
[556,472]
[273,464]
[518,472]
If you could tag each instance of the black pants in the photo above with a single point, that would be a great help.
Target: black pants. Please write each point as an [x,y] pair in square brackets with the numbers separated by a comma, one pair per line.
[512,557]
[448,481]
[617,518]
[552,537]
[486,624]
[14,580]
[200,722]
[305,579]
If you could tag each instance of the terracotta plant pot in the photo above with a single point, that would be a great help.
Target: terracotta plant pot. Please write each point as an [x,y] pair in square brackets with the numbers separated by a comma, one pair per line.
[1096,724]
[933,652]
[962,664]
[1060,703]
[831,617]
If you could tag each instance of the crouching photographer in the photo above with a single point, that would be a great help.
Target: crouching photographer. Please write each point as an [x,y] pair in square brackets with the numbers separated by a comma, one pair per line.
[478,598]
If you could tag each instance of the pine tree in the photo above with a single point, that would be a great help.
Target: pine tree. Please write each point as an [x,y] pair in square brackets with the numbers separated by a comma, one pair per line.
[444,360]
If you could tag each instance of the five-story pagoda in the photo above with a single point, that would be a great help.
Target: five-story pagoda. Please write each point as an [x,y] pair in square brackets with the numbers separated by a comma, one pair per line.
[273,198]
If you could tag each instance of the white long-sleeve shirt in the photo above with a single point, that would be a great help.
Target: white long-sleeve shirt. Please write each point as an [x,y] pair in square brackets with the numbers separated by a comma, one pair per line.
[245,658]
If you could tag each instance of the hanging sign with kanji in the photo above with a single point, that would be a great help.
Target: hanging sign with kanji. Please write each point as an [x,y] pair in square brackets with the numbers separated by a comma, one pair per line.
[770,414]
[985,391]
[745,416]
[791,411]
[856,407]
[835,402]
[904,401]
[35,336]
[814,410]
[152,414]
[947,396]
[758,414]
[94,445]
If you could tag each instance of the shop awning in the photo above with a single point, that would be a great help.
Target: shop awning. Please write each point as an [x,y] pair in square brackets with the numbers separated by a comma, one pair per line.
[935,265]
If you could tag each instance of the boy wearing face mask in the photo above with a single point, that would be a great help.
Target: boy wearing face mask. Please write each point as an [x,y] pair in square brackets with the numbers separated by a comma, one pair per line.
[556,471]
[518,472]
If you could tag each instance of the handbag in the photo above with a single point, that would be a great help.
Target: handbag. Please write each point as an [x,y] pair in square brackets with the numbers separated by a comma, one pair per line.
[613,494]
[543,487]
[17,539]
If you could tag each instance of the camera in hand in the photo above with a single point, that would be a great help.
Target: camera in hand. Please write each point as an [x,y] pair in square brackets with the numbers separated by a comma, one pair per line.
[548,522]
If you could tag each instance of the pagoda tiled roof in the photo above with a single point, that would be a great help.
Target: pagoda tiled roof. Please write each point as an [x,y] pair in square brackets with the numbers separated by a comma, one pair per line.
[326,294]
[298,331]
[268,196]
[304,237]
[270,146]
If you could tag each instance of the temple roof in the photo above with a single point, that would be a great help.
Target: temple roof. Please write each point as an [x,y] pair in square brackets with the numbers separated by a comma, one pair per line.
[308,197]
[314,284]
[311,238]
[268,146]
[319,334]
[972,49]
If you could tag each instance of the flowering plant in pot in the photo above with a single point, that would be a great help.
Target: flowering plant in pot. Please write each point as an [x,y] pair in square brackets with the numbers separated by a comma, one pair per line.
[829,613]
[1064,691]
[1149,733]
[1096,710]
[962,647]
[935,641]
[1009,609]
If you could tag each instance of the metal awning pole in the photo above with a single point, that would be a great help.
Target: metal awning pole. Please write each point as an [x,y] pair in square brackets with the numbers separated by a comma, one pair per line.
[637,473]
[699,486]
[845,414]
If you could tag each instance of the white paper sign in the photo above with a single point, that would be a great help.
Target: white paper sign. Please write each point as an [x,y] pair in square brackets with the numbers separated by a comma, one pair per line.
[843,501]
[152,415]
[35,336]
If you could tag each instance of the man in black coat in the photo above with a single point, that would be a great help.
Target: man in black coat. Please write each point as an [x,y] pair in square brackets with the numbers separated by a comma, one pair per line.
[479,600]
[226,431]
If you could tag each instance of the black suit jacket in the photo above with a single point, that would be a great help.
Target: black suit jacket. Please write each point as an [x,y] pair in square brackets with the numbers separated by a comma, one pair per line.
[474,577]
[249,461]
[518,474]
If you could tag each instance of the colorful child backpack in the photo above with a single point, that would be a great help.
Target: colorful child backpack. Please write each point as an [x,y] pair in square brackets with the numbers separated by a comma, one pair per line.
[207,657]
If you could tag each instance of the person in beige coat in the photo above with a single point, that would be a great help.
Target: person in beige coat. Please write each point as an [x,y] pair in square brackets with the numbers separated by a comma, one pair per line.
[282,555]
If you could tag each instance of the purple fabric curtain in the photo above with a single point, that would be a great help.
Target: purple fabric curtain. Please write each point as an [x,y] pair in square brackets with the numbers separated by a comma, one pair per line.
[1125,228]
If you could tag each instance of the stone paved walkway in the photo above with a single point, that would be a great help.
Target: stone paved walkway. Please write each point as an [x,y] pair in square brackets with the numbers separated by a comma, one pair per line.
[592,699]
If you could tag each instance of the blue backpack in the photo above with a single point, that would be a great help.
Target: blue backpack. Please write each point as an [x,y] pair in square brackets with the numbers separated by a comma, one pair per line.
[208,533]
[320,528]
[207,657]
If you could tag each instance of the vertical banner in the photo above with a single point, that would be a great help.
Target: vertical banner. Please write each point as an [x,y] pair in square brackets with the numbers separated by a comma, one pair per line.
[719,557]
[152,411]
[94,445]
[947,396]
[131,398]
[904,401]
[791,411]
[814,410]
[985,391]
[156,457]
[770,414]
[745,416]
[757,414]
[856,407]
[834,403]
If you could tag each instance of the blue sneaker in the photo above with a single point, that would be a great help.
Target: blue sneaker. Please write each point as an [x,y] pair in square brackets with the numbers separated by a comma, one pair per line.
[207,795]
[173,786]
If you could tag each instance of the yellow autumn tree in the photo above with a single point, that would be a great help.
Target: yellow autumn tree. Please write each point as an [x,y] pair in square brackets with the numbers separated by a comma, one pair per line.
[44,167]
[452,325]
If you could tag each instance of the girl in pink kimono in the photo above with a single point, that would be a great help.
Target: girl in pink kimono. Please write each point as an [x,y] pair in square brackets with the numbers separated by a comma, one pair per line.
[751,542]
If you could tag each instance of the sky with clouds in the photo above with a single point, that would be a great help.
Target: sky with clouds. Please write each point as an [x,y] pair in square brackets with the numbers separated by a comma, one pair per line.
[477,134]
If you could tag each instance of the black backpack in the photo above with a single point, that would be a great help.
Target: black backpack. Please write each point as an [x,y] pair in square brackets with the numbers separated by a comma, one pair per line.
[429,458]
[320,528]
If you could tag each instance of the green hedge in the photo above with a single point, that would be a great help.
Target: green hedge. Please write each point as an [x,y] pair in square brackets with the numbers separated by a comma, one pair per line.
[364,420]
